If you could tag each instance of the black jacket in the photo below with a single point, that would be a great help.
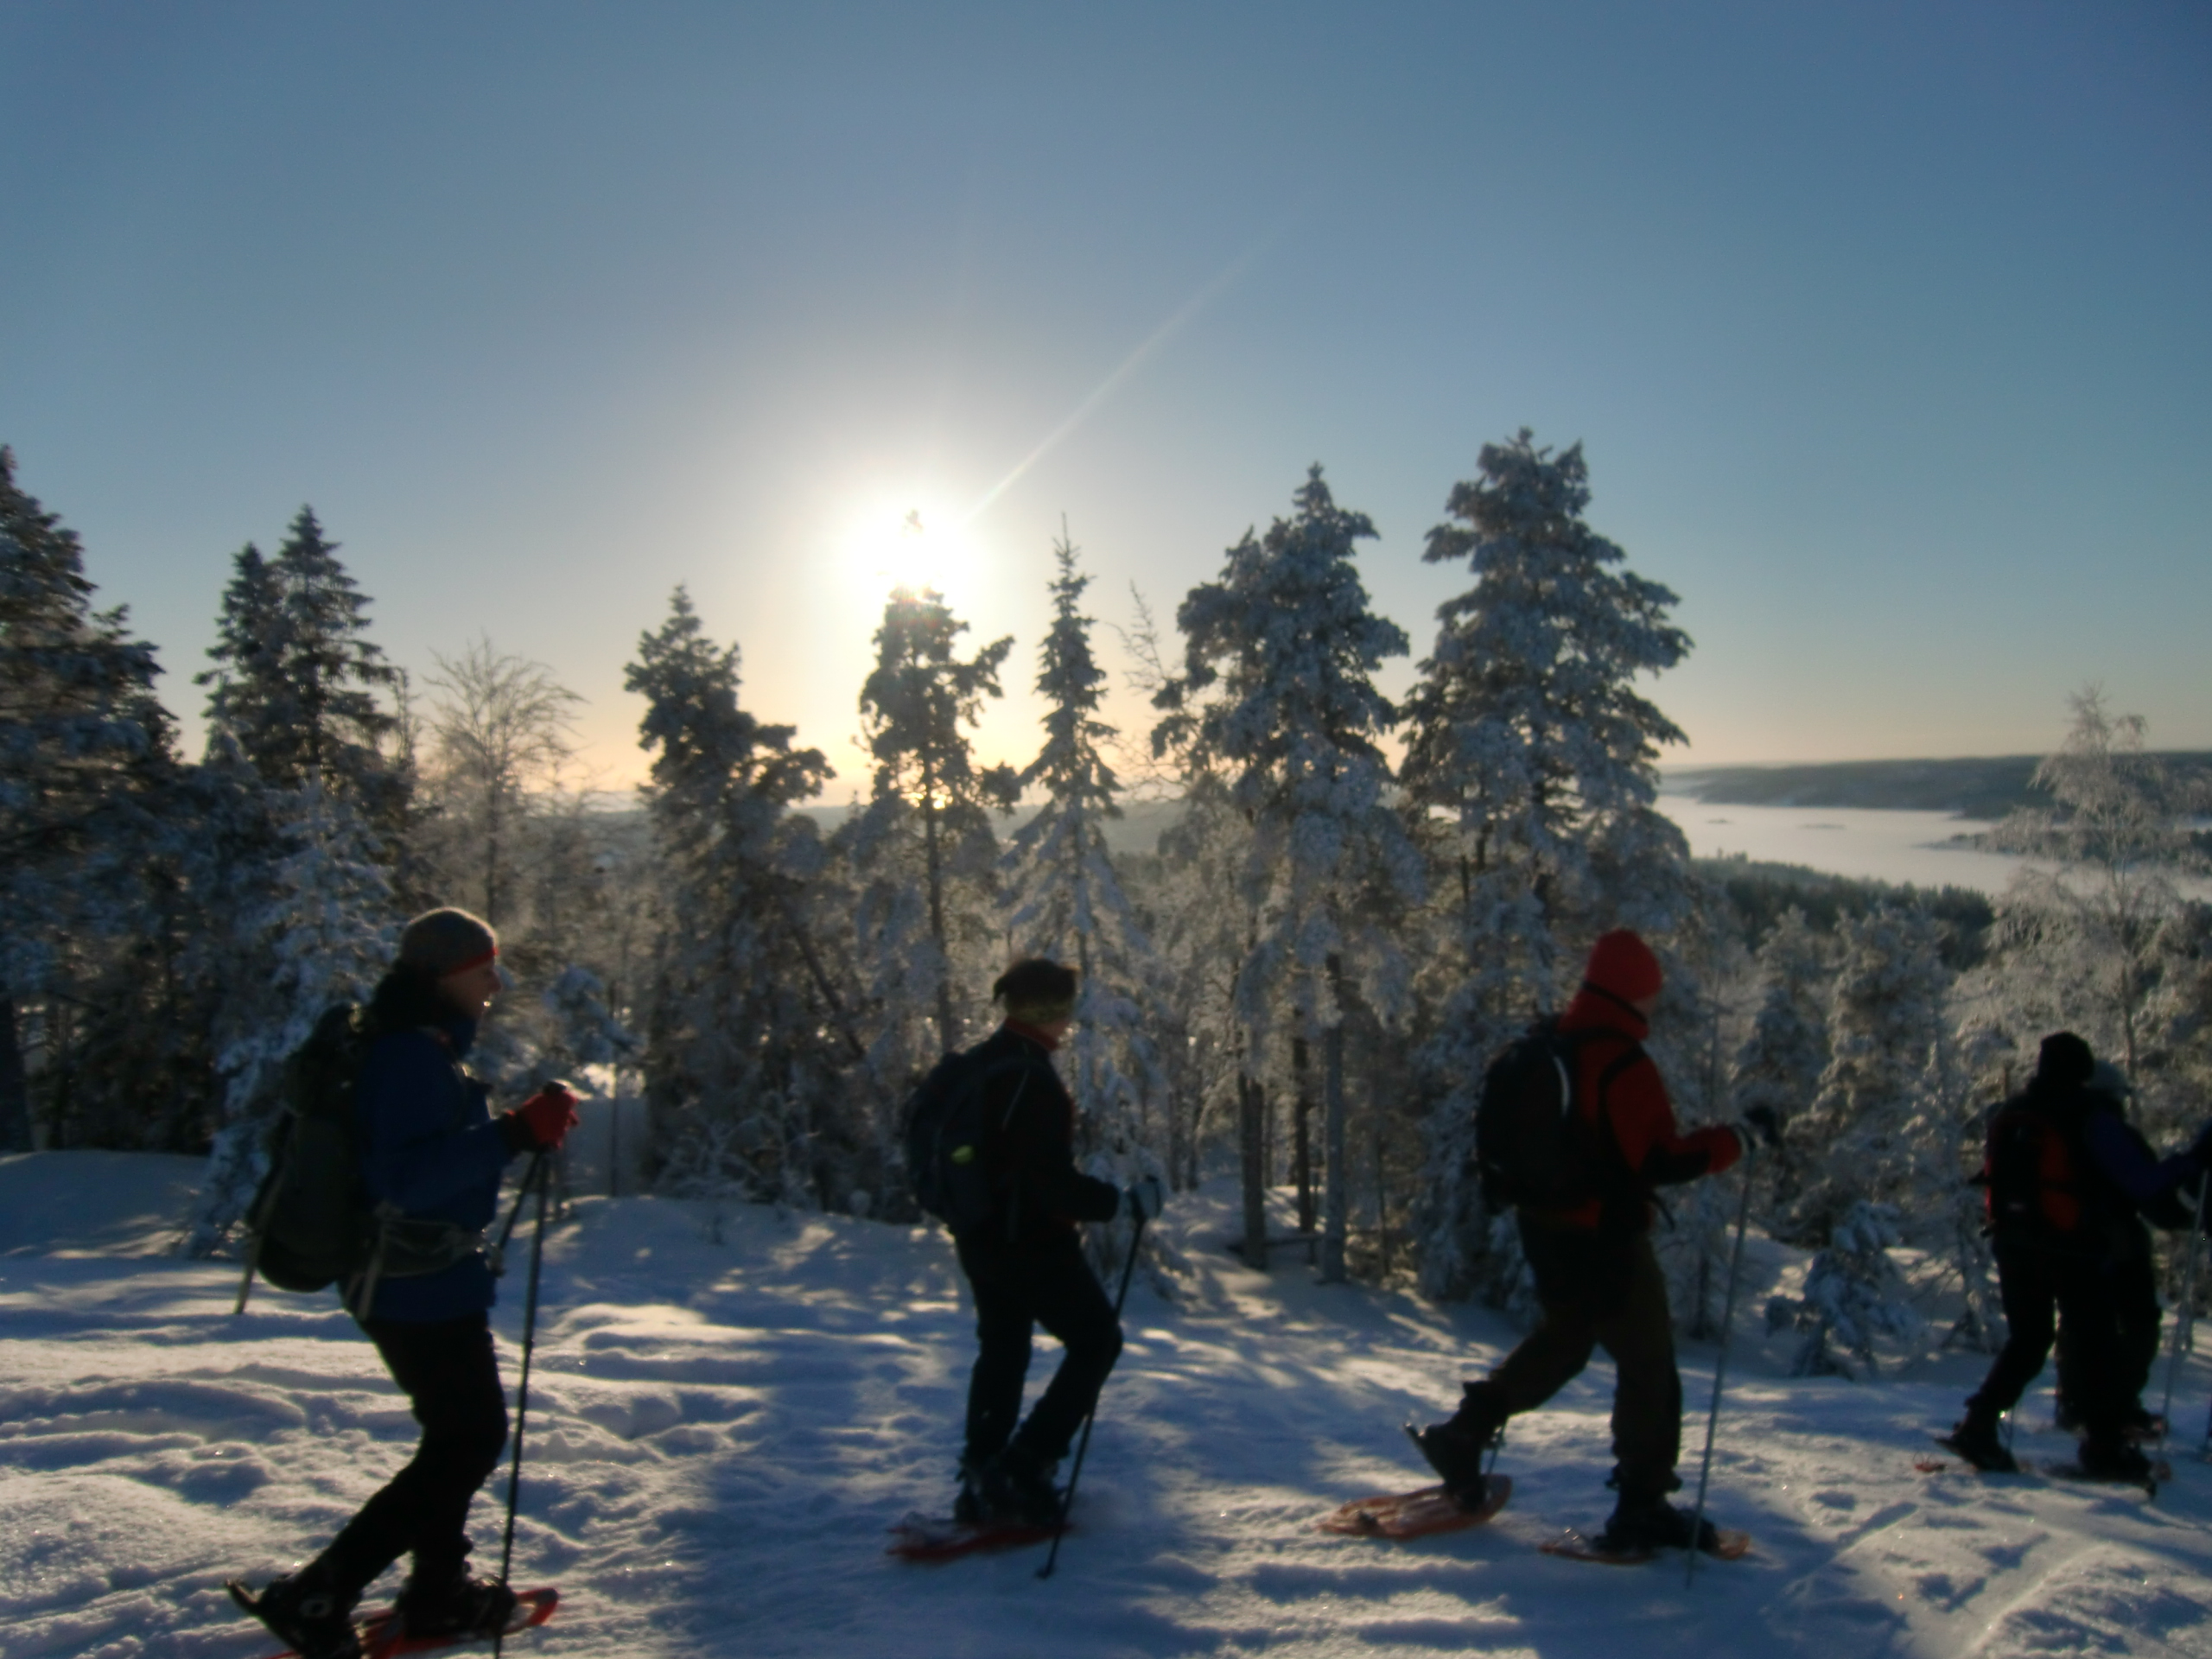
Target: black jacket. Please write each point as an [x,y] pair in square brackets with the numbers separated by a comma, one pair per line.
[1029,1119]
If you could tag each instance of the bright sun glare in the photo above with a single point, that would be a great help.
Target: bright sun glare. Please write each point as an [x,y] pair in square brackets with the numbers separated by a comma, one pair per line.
[911,546]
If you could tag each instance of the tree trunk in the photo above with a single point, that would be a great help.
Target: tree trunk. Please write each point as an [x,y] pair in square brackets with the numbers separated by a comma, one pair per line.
[15,1083]
[1301,1131]
[1337,1204]
[1251,1110]
[947,1027]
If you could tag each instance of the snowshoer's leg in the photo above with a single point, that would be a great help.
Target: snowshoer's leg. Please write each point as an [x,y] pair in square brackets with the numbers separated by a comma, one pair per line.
[1003,1325]
[2026,1279]
[450,1376]
[1068,1301]
[1067,1501]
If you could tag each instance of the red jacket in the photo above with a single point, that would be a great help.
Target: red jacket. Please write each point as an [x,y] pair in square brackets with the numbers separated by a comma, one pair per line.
[1634,1114]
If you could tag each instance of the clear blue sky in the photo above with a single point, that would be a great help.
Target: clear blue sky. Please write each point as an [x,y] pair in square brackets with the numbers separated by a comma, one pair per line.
[1885,326]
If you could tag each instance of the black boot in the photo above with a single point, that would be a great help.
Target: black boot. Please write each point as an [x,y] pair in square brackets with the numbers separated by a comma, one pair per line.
[1976,1439]
[1456,1448]
[1641,1525]
[308,1610]
[1017,1486]
[2109,1457]
[970,1505]
[460,1606]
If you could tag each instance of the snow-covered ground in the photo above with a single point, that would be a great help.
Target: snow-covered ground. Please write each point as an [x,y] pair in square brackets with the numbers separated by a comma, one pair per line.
[720,1434]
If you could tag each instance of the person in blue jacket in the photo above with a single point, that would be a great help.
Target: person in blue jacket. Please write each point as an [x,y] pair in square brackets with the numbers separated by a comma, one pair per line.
[433,1155]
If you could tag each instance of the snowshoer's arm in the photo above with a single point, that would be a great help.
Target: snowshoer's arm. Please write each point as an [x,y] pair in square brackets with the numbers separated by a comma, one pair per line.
[1041,1138]
[1651,1143]
[2125,1157]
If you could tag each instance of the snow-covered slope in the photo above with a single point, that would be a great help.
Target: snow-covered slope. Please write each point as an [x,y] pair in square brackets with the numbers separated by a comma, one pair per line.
[720,1434]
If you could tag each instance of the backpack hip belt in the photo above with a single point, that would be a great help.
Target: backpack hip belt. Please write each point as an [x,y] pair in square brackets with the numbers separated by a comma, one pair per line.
[406,1248]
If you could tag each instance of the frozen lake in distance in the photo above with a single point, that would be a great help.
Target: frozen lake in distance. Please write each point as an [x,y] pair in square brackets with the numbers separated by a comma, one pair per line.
[1878,845]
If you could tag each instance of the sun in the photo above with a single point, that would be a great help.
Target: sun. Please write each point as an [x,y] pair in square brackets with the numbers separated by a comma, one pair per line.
[913,546]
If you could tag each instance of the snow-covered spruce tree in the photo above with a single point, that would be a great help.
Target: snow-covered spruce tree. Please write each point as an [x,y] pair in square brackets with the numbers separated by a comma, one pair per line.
[742,1057]
[1780,1064]
[1067,903]
[2084,922]
[1875,1132]
[83,743]
[1529,746]
[316,927]
[922,855]
[297,682]
[1853,1294]
[1278,695]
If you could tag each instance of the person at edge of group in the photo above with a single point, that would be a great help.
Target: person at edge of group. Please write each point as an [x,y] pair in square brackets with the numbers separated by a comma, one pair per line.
[1026,1267]
[432,1147]
[2070,1183]
[1598,1281]
[2135,1290]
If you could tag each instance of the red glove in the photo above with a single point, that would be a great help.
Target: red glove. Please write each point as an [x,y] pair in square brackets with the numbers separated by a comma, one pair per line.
[547,1117]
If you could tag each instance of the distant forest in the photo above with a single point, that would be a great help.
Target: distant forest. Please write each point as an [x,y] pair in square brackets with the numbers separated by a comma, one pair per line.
[1987,787]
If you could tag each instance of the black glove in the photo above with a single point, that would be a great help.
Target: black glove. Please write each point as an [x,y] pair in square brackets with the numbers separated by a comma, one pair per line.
[1762,1122]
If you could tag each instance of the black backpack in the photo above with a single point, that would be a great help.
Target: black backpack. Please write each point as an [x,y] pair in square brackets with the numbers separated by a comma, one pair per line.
[1530,1147]
[949,1144]
[311,1223]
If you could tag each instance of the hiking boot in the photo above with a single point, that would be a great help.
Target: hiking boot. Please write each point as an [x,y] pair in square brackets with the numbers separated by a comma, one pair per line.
[968,1505]
[1636,1528]
[1976,1439]
[462,1605]
[1456,1453]
[2113,1458]
[307,1611]
[1018,1486]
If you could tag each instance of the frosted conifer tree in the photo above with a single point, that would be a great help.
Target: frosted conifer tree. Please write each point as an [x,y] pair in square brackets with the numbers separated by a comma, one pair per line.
[82,742]
[922,854]
[297,680]
[1854,1294]
[1278,695]
[1781,1062]
[317,928]
[1527,738]
[742,1067]
[1876,1131]
[1068,903]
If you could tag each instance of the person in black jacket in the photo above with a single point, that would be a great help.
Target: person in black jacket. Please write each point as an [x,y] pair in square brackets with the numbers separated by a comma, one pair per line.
[432,1155]
[1025,1265]
[2069,1179]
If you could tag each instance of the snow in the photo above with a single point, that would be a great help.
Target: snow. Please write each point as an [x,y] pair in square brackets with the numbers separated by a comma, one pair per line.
[720,1435]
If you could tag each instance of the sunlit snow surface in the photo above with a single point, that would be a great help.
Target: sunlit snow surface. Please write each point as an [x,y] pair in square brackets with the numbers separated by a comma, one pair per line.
[720,1434]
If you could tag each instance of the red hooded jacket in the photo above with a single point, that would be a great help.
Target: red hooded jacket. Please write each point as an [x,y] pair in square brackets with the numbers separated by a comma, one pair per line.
[1634,1114]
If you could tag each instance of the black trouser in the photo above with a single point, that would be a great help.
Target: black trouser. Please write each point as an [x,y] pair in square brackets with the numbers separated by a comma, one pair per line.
[2132,1289]
[2036,1285]
[447,1369]
[1019,1286]
[1596,1291]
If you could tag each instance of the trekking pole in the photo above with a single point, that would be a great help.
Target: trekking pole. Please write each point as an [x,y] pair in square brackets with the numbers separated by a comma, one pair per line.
[522,1387]
[1082,1445]
[1719,1371]
[2185,1326]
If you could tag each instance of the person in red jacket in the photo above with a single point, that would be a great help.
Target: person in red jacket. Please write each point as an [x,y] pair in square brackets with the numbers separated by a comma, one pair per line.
[1597,1278]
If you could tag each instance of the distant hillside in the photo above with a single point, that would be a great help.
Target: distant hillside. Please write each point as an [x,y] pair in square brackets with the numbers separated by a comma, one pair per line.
[1984,788]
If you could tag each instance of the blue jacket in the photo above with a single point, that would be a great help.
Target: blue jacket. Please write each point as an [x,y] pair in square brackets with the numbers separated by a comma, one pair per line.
[430,1147]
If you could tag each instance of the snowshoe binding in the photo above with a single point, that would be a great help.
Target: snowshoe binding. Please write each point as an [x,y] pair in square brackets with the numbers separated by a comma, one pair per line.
[306,1611]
